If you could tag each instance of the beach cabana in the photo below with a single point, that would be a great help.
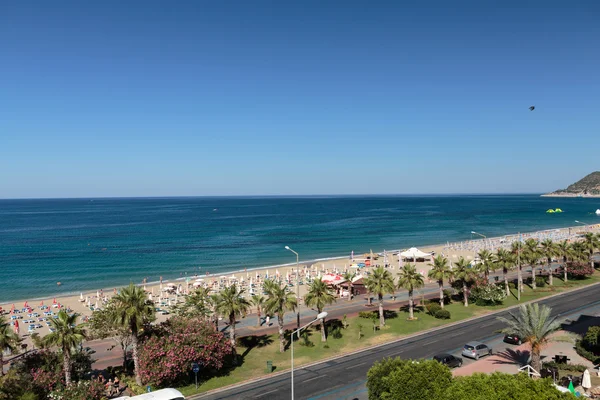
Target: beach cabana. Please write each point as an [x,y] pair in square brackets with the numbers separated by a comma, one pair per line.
[414,254]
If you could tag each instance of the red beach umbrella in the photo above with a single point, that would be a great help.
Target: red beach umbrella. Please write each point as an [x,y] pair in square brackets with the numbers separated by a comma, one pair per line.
[41,303]
[54,301]
[25,305]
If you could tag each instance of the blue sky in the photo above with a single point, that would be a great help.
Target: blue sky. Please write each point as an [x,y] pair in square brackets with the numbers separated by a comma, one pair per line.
[155,98]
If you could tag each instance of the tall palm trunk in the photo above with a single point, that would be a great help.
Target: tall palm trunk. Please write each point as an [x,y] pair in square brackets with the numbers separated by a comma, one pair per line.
[281,338]
[232,330]
[350,292]
[519,281]
[411,305]
[323,333]
[536,360]
[381,316]
[533,285]
[136,359]
[441,283]
[67,365]
[565,261]
[550,282]
[504,273]
[592,258]
[258,319]
[465,297]
[1,363]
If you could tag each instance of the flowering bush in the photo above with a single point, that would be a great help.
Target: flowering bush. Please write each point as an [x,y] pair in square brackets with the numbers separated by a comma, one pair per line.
[484,293]
[82,390]
[579,270]
[167,356]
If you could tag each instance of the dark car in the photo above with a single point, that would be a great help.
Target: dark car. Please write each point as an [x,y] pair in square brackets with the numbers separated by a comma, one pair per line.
[512,339]
[449,360]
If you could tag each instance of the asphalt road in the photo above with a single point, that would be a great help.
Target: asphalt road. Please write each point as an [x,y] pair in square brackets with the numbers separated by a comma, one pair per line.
[344,378]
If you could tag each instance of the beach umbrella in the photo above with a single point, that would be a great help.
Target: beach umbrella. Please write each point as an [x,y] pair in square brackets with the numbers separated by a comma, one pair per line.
[26,305]
[586,382]
[80,296]
[97,293]
[42,303]
[96,305]
[571,388]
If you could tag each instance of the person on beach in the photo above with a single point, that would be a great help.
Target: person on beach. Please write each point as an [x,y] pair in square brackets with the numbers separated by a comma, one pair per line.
[267,320]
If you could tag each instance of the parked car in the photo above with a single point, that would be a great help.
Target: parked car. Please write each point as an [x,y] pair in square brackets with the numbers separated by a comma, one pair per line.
[476,350]
[448,360]
[512,339]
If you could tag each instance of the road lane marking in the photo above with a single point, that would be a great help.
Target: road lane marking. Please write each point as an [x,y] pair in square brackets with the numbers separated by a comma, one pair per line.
[265,393]
[428,343]
[356,365]
[486,325]
[316,377]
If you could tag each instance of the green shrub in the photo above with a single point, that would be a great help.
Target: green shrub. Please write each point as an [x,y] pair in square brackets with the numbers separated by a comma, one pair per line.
[432,308]
[448,296]
[585,353]
[512,285]
[336,332]
[391,379]
[442,314]
[540,281]
[366,314]
[306,340]
[565,367]
[490,294]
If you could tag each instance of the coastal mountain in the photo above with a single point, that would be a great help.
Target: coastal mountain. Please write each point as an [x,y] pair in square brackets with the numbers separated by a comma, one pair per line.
[588,186]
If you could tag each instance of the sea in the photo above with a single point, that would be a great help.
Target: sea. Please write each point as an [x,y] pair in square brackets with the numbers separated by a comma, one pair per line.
[86,244]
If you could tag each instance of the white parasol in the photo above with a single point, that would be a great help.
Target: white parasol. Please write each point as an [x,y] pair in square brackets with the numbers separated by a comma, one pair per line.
[586,382]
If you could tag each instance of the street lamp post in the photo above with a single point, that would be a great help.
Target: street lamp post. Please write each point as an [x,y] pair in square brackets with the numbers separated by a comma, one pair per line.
[483,236]
[297,287]
[320,317]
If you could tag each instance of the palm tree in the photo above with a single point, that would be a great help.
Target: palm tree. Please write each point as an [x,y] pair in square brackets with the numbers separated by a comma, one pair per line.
[517,249]
[380,282]
[319,295]
[348,276]
[463,271]
[506,260]
[134,312]
[534,325]
[592,242]
[410,279]
[486,264]
[562,250]
[532,255]
[231,303]
[8,341]
[66,336]
[579,251]
[279,301]
[196,305]
[259,302]
[439,271]
[548,249]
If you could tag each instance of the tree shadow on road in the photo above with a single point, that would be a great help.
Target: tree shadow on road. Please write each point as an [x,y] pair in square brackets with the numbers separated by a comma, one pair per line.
[514,357]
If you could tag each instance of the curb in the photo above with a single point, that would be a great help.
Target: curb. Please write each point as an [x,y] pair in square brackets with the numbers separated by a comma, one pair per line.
[287,371]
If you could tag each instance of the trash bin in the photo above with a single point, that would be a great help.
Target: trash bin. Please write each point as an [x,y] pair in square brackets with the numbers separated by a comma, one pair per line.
[269,366]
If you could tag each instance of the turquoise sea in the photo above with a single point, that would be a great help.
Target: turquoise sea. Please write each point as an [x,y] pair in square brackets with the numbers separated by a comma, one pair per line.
[101,243]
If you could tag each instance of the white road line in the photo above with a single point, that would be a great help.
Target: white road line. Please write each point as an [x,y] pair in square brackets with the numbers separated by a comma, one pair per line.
[265,393]
[316,377]
[428,343]
[486,325]
[356,365]
[396,353]
[458,334]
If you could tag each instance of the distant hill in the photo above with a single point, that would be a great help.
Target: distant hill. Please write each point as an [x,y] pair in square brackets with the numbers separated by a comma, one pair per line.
[588,186]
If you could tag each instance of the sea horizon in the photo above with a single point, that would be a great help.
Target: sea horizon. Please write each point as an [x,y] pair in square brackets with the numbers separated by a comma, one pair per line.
[92,243]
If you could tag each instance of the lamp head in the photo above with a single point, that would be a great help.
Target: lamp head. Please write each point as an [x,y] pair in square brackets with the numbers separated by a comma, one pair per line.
[473,232]
[322,315]
[287,247]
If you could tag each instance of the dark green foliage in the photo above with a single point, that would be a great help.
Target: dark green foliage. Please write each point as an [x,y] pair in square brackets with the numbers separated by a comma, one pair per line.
[391,379]
[589,346]
[432,308]
[306,340]
[499,386]
[565,367]
[540,281]
[448,295]
[367,314]
[442,314]
[335,332]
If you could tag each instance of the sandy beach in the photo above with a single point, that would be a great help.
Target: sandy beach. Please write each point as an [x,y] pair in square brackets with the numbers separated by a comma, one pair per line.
[165,298]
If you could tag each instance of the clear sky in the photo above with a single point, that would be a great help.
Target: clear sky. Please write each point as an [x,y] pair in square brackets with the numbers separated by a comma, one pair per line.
[159,98]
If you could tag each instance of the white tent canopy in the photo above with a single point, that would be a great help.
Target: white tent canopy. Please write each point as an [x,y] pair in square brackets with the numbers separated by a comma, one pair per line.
[598,211]
[413,252]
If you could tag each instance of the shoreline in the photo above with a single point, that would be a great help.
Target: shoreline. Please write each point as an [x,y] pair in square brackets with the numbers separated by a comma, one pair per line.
[572,195]
[291,266]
